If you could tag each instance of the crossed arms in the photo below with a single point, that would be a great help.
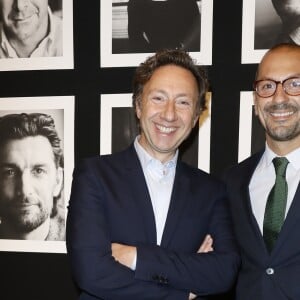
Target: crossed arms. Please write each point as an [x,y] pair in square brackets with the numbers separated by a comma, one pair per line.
[96,240]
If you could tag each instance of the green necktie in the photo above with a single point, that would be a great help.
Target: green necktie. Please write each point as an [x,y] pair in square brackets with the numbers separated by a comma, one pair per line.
[276,204]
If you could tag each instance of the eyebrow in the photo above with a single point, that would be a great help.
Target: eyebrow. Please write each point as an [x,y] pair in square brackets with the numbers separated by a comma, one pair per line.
[13,165]
[165,93]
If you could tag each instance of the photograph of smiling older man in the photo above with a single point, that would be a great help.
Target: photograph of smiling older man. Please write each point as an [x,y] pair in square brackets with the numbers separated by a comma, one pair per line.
[31,28]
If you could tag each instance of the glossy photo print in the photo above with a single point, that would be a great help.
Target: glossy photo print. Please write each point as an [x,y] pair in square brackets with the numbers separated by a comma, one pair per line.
[36,162]
[36,35]
[129,35]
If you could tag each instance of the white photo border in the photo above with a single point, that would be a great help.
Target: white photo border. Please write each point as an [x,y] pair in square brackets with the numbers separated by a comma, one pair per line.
[109,101]
[245,125]
[48,63]
[249,54]
[66,103]
[107,59]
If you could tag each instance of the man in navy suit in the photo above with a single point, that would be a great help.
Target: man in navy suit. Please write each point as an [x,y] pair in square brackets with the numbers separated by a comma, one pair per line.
[271,271]
[137,218]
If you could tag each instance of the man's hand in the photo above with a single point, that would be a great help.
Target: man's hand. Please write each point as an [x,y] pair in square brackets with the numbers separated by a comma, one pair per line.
[124,254]
[207,245]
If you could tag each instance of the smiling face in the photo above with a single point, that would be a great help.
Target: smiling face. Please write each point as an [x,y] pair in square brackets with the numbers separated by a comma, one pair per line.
[24,18]
[29,180]
[167,111]
[280,113]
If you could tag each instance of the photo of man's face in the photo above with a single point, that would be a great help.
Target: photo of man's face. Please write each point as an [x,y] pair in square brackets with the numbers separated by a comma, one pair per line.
[29,179]
[23,18]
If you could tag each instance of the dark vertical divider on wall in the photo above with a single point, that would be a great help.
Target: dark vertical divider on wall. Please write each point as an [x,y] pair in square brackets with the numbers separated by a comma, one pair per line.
[225,77]
[37,276]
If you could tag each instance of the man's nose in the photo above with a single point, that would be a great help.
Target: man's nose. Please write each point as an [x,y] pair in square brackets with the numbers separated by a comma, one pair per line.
[20,5]
[169,111]
[25,184]
[280,95]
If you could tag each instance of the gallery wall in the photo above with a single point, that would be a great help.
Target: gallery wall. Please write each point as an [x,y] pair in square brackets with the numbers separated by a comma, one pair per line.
[87,87]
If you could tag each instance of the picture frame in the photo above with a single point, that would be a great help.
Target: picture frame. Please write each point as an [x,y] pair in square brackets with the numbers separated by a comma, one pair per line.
[61,109]
[260,24]
[251,132]
[66,61]
[108,19]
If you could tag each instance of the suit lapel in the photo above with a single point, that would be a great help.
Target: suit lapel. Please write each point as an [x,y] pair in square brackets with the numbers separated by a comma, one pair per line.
[177,204]
[137,184]
[291,218]
[250,219]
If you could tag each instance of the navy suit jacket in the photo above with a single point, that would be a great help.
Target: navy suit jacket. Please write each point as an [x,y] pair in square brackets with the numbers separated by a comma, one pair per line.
[110,202]
[263,276]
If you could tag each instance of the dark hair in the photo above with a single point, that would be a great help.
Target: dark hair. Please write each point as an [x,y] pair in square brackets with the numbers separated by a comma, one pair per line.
[18,126]
[177,57]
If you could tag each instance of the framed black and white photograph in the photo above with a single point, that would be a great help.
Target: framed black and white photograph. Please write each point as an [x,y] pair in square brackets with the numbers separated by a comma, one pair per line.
[259,16]
[36,36]
[118,128]
[36,165]
[251,132]
[132,30]
[267,23]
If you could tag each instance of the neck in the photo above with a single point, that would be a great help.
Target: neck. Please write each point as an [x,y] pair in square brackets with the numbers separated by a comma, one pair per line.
[283,148]
[161,156]
[40,233]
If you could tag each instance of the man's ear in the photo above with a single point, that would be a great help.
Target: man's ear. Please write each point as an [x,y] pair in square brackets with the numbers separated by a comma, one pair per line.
[255,104]
[59,182]
[138,109]
[196,119]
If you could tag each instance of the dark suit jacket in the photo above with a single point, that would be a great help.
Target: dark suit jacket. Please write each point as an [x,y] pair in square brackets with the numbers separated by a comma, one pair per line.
[255,281]
[110,203]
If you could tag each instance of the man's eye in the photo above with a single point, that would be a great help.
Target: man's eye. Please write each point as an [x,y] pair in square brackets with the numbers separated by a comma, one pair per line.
[157,98]
[267,86]
[295,84]
[39,171]
[184,102]
[8,172]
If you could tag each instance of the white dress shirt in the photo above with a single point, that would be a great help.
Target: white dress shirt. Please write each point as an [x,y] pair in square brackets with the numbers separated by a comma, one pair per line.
[263,180]
[159,178]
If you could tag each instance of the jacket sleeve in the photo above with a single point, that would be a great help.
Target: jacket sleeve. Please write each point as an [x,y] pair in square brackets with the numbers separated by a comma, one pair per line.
[202,273]
[94,269]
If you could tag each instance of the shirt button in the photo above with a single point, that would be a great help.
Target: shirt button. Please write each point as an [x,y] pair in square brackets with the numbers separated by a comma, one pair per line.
[270,271]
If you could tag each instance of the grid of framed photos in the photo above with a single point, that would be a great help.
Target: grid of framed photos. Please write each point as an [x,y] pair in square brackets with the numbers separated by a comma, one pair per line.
[86,88]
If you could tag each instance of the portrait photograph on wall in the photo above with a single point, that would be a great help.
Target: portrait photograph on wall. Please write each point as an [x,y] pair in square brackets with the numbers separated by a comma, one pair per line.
[36,36]
[251,132]
[36,165]
[131,30]
[267,23]
[118,129]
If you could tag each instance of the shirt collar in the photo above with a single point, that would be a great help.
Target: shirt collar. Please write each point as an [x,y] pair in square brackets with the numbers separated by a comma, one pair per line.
[293,157]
